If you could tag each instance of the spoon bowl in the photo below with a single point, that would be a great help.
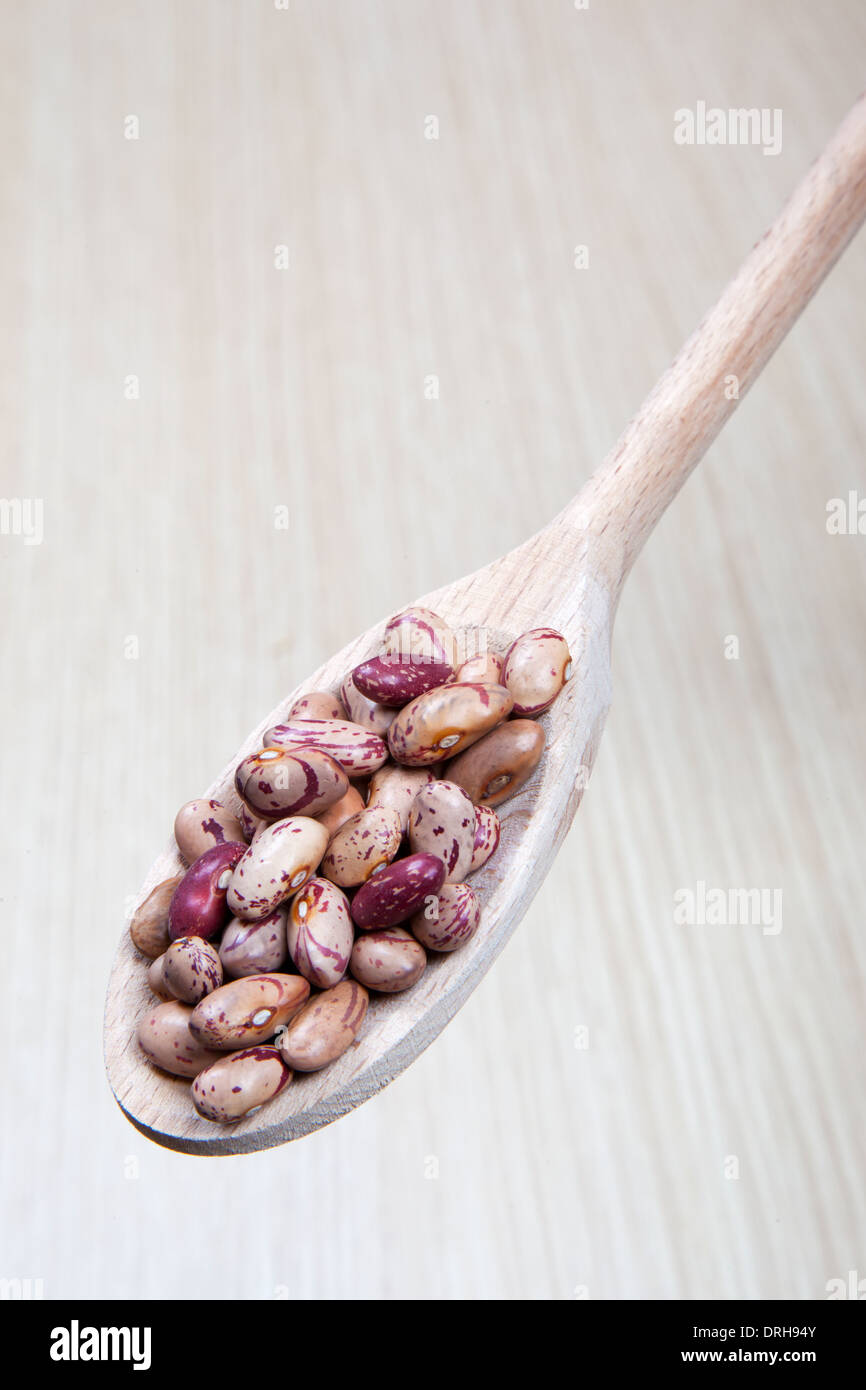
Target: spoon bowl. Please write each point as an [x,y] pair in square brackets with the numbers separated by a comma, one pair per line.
[488,608]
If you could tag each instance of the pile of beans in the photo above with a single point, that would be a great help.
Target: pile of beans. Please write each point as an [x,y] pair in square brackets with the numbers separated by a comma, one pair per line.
[345,864]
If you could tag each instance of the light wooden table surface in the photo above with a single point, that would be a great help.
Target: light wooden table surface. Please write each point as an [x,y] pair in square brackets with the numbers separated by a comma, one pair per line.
[628,1106]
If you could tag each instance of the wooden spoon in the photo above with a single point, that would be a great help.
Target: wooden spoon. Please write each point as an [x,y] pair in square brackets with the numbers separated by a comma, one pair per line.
[568,576]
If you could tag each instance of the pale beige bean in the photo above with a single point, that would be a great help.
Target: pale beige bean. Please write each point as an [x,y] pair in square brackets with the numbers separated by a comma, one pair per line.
[250,824]
[443,722]
[395,788]
[337,815]
[191,969]
[420,632]
[201,824]
[156,979]
[499,764]
[237,1085]
[164,1038]
[254,948]
[487,832]
[149,925]
[319,704]
[450,921]
[368,713]
[325,1028]
[389,960]
[442,823]
[486,668]
[364,844]
[356,749]
[247,1011]
[320,933]
[537,666]
[278,862]
[276,783]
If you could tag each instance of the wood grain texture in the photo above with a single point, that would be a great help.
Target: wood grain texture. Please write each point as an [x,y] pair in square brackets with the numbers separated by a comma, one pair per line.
[508,1161]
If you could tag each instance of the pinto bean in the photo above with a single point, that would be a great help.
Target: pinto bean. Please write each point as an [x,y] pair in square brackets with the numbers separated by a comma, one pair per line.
[368,713]
[156,979]
[319,704]
[247,1011]
[149,925]
[254,948]
[442,823]
[537,666]
[397,891]
[278,862]
[238,1084]
[361,846]
[486,841]
[499,764]
[337,815]
[357,750]
[451,921]
[486,668]
[387,961]
[394,680]
[320,933]
[276,783]
[419,632]
[443,722]
[164,1037]
[325,1028]
[198,907]
[191,969]
[201,824]
[395,788]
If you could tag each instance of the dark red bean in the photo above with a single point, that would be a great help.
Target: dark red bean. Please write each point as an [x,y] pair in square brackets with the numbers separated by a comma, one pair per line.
[398,891]
[395,680]
[198,907]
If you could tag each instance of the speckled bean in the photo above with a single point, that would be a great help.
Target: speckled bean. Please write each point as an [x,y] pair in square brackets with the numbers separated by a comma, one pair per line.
[395,788]
[164,1038]
[499,764]
[276,783]
[537,666]
[368,713]
[485,668]
[442,823]
[366,841]
[325,1028]
[319,704]
[254,948]
[201,824]
[395,680]
[387,961]
[237,1085]
[250,824]
[341,811]
[191,969]
[156,979]
[445,721]
[247,1011]
[319,933]
[451,921]
[357,750]
[278,862]
[398,891]
[198,907]
[149,925]
[421,633]
[487,831]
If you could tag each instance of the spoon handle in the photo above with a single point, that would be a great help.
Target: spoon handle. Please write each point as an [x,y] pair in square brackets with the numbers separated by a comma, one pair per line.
[681,417]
